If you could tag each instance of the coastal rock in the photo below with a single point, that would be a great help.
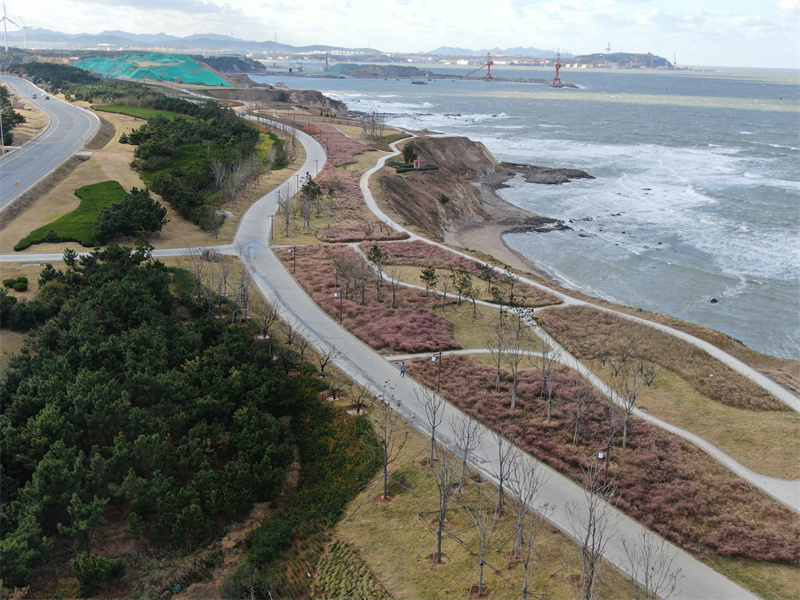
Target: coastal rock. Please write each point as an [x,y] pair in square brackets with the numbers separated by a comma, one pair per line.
[468,176]
[269,95]
[547,175]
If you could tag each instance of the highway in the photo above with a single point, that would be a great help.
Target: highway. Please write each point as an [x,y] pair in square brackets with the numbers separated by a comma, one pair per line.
[69,129]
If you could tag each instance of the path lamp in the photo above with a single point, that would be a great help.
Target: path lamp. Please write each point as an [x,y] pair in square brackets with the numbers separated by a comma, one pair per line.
[439,374]
[316,167]
[605,453]
[2,135]
[338,294]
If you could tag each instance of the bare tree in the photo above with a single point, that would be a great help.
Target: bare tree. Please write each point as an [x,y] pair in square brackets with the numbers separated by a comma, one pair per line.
[649,562]
[628,388]
[433,405]
[485,523]
[393,277]
[498,346]
[325,357]
[302,345]
[583,397]
[548,360]
[505,456]
[515,353]
[359,396]
[391,434]
[445,472]
[468,435]
[526,480]
[592,524]
[445,284]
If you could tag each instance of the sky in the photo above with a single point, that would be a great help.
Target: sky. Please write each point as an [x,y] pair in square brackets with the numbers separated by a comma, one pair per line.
[725,33]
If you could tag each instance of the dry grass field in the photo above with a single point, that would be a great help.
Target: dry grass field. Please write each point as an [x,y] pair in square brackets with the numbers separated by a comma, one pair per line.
[393,540]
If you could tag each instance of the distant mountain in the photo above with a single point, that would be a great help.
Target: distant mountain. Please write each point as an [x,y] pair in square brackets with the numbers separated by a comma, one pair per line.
[40,38]
[518,51]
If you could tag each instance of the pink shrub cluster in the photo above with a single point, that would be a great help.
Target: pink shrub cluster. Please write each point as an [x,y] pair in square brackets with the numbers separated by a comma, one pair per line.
[351,222]
[413,326]
[662,481]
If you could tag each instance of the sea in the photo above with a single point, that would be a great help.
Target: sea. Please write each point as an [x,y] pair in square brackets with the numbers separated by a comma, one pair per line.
[694,209]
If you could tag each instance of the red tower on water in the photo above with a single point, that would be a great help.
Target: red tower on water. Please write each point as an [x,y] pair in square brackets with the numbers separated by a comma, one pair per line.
[556,80]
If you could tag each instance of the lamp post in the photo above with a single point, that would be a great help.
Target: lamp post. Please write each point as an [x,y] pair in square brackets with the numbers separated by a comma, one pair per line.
[316,167]
[338,294]
[439,374]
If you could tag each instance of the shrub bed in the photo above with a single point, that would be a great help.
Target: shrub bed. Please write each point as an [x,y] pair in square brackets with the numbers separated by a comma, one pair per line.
[663,482]
[412,326]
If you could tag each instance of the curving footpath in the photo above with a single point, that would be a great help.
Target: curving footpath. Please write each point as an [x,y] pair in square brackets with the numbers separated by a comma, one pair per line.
[368,368]
[252,244]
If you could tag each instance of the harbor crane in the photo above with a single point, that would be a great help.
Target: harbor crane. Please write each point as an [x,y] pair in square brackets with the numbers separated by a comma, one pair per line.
[487,65]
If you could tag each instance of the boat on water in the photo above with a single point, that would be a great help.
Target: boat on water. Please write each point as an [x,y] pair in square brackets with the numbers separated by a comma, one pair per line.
[419,83]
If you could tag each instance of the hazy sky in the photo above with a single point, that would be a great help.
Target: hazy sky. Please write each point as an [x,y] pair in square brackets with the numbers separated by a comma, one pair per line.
[747,33]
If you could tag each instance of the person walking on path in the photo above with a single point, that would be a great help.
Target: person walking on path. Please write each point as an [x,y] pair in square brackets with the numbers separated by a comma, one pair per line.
[402,369]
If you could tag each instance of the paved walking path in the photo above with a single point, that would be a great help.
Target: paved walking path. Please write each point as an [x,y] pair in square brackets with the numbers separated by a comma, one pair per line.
[759,378]
[373,371]
[376,373]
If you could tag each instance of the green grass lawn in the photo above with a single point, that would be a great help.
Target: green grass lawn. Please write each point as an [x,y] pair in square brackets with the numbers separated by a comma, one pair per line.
[77,225]
[138,112]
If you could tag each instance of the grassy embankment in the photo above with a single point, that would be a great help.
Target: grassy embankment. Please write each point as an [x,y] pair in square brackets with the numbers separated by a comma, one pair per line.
[76,226]
[139,112]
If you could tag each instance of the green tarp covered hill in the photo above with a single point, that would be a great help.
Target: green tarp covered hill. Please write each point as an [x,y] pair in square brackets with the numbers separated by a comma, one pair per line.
[165,67]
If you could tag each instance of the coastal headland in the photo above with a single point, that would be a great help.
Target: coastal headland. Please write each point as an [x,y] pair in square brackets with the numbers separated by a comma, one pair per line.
[459,205]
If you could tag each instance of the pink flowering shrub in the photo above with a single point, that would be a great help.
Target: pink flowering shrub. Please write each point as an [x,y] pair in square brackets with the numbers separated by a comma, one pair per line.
[352,222]
[413,326]
[662,481]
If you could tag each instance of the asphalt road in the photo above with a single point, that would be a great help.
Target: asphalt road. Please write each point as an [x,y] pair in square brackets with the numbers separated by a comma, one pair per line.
[69,129]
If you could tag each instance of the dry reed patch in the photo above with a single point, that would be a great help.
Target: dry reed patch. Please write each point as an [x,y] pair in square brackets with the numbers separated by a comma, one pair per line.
[397,545]
[766,442]
[589,333]
[768,581]
[663,482]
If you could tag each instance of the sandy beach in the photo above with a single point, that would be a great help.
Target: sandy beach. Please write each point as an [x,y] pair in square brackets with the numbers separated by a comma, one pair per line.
[487,237]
